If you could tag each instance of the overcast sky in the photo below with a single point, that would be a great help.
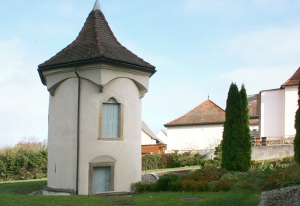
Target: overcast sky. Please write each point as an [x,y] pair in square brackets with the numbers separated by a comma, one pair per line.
[198,47]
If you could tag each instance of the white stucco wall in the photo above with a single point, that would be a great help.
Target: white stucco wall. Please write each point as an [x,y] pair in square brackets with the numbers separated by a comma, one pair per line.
[62,136]
[272,113]
[194,137]
[146,139]
[291,106]
[63,124]
[252,127]
[162,136]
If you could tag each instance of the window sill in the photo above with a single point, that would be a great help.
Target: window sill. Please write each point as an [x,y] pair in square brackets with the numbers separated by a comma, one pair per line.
[111,139]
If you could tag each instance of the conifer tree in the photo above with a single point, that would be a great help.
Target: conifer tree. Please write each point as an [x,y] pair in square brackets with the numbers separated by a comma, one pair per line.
[233,130]
[297,127]
[246,137]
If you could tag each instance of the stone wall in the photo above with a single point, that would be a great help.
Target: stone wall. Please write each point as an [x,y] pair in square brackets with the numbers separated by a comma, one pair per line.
[285,196]
[272,152]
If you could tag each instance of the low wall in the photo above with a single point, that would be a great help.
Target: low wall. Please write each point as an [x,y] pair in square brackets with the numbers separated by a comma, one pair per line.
[272,152]
[258,152]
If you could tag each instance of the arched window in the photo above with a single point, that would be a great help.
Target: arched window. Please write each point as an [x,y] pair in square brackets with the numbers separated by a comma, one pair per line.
[110,120]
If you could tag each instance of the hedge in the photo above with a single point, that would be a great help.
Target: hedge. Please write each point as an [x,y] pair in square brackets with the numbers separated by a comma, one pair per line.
[171,160]
[26,160]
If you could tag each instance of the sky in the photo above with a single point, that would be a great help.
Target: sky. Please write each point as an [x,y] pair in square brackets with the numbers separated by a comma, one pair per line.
[198,47]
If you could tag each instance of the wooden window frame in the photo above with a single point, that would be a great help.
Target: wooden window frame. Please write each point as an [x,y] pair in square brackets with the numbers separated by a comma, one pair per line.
[121,121]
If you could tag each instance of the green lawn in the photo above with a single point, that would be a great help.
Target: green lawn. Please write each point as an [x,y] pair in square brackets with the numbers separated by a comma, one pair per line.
[16,193]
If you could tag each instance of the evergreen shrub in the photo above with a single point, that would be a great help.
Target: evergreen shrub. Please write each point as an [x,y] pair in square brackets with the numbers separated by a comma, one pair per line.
[246,144]
[297,127]
[164,182]
[236,143]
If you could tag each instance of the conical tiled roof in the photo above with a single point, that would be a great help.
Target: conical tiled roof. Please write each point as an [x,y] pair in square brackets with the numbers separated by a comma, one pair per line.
[206,113]
[294,80]
[96,41]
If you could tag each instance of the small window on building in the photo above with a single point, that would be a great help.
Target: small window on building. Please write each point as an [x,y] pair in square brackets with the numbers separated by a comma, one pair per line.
[110,122]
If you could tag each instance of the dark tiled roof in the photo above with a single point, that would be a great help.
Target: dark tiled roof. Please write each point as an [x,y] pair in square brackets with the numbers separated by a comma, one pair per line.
[96,41]
[294,80]
[206,113]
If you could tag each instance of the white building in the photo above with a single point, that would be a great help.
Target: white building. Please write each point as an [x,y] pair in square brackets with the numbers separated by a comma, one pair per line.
[94,132]
[199,129]
[162,135]
[148,137]
[278,108]
[272,115]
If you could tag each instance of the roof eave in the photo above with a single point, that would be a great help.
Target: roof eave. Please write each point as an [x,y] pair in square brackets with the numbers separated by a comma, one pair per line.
[49,67]
[287,85]
[193,124]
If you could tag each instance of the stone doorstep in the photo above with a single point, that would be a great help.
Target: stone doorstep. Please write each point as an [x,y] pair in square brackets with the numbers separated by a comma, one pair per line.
[58,190]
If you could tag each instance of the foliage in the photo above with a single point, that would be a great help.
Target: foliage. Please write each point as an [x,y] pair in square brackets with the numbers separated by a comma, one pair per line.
[207,173]
[218,153]
[246,185]
[153,161]
[222,185]
[189,185]
[172,160]
[175,159]
[282,177]
[236,143]
[140,187]
[26,160]
[262,175]
[245,138]
[297,127]
[164,182]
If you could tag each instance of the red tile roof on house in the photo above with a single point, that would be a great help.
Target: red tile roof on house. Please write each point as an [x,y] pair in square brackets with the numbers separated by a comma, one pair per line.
[206,113]
[95,42]
[254,121]
[294,80]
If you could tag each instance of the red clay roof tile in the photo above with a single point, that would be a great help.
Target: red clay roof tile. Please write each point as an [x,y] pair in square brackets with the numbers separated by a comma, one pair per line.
[206,113]
[254,121]
[294,80]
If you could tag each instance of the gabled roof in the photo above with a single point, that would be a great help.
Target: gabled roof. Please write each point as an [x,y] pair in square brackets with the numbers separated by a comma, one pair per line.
[95,42]
[293,80]
[148,131]
[206,113]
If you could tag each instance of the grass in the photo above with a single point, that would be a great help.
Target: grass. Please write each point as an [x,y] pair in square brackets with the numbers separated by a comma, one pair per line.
[22,187]
[16,193]
[230,198]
